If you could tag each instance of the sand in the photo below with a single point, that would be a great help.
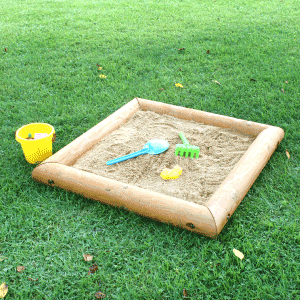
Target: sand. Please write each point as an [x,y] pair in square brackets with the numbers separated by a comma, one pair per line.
[220,150]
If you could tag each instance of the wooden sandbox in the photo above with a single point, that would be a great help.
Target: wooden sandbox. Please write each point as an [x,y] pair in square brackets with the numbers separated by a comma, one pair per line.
[164,203]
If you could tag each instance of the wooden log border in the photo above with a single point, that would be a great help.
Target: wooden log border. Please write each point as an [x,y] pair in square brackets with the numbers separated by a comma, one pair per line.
[208,219]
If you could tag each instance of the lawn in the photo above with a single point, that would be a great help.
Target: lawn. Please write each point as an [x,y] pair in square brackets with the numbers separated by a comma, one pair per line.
[50,55]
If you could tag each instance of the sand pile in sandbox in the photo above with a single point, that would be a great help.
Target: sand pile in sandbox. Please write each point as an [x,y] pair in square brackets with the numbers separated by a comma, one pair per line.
[220,150]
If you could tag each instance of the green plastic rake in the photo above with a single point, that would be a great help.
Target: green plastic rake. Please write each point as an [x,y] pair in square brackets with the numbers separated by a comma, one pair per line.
[186,148]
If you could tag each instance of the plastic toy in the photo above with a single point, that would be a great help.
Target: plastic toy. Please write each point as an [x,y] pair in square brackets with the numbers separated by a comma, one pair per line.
[36,136]
[186,148]
[151,147]
[29,137]
[36,149]
[171,174]
[40,135]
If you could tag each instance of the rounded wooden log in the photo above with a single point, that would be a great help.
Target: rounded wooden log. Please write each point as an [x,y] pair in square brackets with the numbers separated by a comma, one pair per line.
[208,219]
[204,117]
[188,215]
[233,189]
[70,153]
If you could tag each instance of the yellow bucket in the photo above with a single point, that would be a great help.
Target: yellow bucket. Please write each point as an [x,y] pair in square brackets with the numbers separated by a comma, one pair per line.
[36,150]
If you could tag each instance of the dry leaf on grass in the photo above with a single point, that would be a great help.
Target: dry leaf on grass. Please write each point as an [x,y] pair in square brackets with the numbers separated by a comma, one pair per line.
[207,51]
[185,294]
[287,154]
[2,258]
[20,269]
[282,90]
[33,279]
[217,82]
[100,295]
[238,253]
[179,85]
[3,290]
[181,49]
[93,269]
[87,257]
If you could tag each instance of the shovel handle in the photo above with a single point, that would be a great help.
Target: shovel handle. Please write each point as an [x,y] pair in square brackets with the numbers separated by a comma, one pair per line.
[128,156]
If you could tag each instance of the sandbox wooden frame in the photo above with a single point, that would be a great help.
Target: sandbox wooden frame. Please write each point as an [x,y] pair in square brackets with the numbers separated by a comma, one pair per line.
[208,219]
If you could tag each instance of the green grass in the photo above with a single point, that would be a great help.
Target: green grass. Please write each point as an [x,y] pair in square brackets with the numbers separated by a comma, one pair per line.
[49,74]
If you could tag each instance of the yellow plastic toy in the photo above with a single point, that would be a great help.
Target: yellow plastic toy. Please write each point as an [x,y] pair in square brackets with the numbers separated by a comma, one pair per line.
[171,174]
[36,140]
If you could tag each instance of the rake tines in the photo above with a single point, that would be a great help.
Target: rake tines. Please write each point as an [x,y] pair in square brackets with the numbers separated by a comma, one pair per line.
[186,149]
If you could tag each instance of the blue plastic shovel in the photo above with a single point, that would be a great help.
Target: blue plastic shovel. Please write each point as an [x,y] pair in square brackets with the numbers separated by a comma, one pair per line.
[151,147]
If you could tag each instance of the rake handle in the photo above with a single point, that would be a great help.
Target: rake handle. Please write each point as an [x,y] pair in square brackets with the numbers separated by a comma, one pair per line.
[183,138]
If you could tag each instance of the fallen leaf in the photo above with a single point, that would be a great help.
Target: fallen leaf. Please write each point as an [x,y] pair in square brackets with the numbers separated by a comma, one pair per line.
[282,90]
[102,76]
[180,69]
[20,269]
[3,290]
[87,257]
[100,68]
[53,137]
[286,82]
[100,295]
[93,269]
[33,279]
[287,154]
[179,85]
[181,49]
[5,49]
[2,258]
[185,293]
[161,89]
[207,51]
[238,253]
[217,82]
